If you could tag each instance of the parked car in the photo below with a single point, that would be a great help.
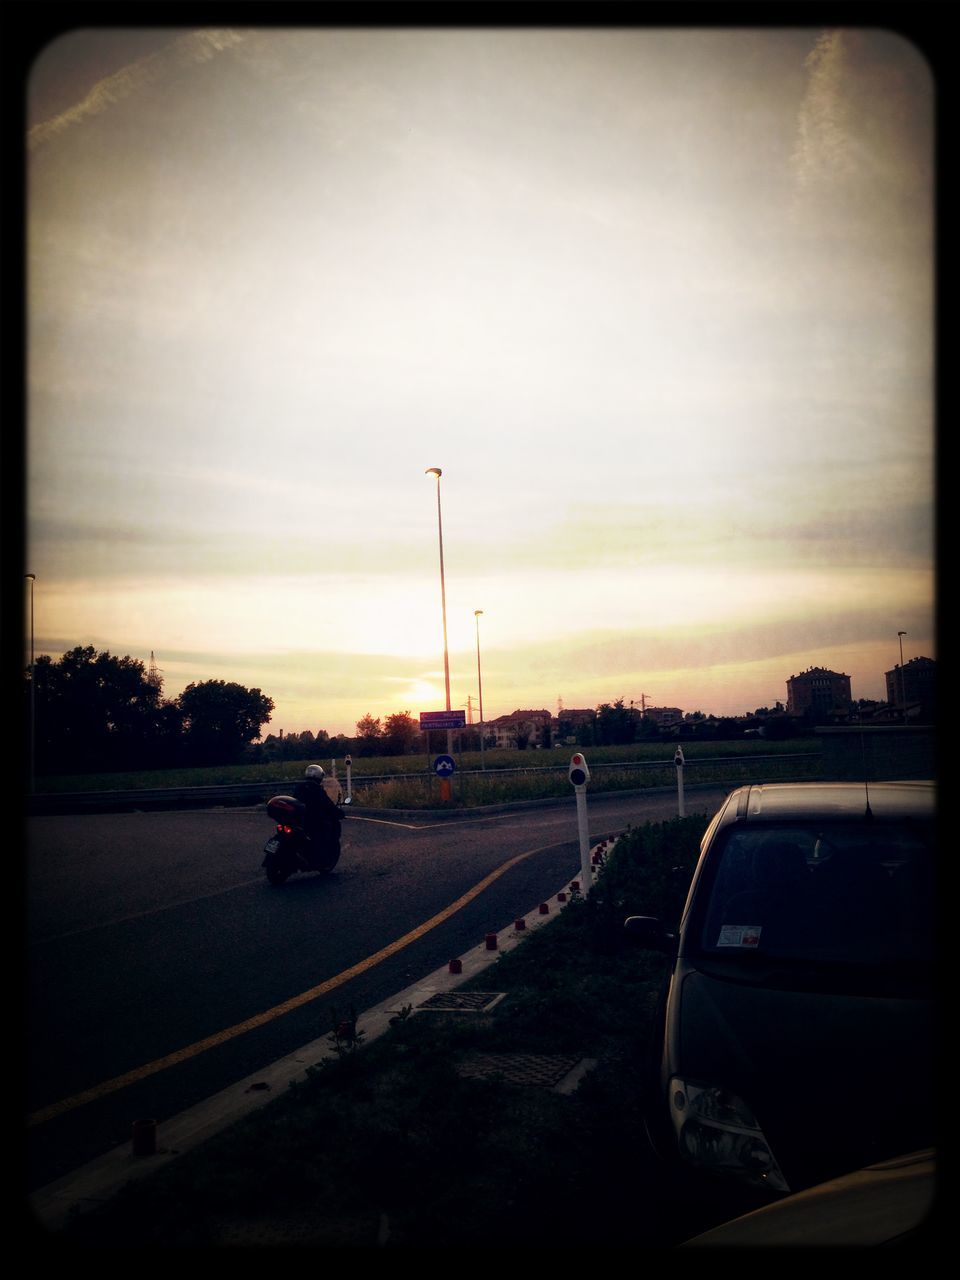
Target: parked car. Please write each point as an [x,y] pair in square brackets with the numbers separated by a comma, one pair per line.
[795,1033]
[892,1203]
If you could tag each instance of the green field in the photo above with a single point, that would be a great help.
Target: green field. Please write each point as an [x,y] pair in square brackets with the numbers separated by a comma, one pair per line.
[499,782]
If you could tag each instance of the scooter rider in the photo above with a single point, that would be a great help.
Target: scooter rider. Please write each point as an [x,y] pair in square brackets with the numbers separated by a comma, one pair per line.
[322,817]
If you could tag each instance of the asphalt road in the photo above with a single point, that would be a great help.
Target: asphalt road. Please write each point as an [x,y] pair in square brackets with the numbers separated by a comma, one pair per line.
[161,966]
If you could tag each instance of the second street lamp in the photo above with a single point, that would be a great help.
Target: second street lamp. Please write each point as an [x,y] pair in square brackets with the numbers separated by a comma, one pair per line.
[435,471]
[32,578]
[476,614]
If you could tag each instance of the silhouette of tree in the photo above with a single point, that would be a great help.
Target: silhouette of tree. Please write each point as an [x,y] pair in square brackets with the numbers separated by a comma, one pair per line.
[98,712]
[368,735]
[401,734]
[220,719]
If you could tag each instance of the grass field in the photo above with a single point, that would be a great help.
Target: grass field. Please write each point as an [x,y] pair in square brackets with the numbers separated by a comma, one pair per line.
[487,788]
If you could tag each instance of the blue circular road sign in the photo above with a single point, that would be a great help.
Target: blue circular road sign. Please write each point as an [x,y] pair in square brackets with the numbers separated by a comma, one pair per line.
[443,766]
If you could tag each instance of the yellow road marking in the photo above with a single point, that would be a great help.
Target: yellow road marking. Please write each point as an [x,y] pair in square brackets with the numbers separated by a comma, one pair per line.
[261,1019]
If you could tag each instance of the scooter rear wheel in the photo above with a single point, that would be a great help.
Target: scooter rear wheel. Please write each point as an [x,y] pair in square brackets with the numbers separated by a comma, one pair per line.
[276,876]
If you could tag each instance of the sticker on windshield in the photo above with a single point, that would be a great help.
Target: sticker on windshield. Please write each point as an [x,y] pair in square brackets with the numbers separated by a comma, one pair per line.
[739,935]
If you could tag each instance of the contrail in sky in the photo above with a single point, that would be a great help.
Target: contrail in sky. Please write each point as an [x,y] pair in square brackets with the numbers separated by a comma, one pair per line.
[187,50]
[823,150]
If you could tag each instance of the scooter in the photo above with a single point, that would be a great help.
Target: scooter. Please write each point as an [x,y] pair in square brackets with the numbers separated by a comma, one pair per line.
[291,849]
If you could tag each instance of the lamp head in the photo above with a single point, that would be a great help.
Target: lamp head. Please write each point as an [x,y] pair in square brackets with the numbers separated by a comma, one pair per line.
[433,471]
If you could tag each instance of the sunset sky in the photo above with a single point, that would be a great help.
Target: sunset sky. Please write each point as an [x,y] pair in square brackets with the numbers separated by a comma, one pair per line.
[658,302]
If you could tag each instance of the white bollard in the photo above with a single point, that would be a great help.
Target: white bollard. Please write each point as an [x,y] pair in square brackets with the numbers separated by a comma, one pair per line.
[579,775]
[678,761]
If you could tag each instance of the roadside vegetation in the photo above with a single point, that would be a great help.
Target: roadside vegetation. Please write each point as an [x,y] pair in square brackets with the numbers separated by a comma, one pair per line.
[396,1145]
[544,772]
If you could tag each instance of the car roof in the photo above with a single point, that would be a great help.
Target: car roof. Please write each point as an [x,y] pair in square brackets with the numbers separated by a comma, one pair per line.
[777,801]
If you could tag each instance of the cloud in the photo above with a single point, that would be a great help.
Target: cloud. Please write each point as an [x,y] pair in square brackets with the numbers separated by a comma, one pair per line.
[155,68]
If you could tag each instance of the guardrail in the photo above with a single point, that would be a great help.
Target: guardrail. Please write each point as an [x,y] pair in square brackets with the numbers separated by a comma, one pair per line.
[252,793]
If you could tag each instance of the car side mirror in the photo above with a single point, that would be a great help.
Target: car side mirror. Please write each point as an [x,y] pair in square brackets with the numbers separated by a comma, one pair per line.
[650,933]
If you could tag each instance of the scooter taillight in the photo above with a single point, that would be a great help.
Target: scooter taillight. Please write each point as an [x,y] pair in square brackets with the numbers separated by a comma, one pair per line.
[284,830]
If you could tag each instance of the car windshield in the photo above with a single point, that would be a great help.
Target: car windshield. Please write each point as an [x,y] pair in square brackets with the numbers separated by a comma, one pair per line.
[844,893]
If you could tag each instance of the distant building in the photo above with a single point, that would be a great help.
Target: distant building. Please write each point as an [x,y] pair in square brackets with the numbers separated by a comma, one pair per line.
[666,717]
[570,720]
[913,688]
[818,692]
[532,727]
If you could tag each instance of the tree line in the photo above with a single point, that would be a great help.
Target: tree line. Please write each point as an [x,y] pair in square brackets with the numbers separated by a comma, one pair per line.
[92,712]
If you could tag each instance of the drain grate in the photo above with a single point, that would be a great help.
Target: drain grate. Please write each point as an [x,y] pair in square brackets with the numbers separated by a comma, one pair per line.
[462,1001]
[542,1070]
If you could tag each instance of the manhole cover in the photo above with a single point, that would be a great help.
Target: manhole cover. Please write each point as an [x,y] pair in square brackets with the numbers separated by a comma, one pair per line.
[544,1070]
[463,1001]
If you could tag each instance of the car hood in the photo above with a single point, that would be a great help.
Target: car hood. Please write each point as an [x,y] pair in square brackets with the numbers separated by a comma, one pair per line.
[887,1203]
[836,1081]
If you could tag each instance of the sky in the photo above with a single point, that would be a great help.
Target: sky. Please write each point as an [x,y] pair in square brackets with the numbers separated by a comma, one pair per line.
[658,302]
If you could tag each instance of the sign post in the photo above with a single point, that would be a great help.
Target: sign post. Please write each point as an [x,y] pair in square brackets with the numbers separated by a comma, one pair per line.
[443,720]
[678,761]
[444,767]
[579,776]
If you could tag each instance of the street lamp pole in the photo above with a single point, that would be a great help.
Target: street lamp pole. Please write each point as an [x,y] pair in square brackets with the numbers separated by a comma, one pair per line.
[31,578]
[435,471]
[903,696]
[476,614]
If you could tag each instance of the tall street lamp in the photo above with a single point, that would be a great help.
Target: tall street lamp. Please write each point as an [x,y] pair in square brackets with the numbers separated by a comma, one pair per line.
[31,578]
[435,471]
[476,614]
[903,696]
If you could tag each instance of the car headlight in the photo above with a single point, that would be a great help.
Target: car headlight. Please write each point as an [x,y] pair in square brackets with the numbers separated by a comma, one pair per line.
[717,1131]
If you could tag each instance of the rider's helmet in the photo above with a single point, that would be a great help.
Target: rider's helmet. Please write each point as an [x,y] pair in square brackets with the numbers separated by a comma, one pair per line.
[313,771]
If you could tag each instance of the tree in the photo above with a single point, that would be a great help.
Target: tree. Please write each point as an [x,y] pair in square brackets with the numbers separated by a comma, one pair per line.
[616,724]
[220,719]
[95,711]
[299,746]
[401,734]
[648,730]
[368,735]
